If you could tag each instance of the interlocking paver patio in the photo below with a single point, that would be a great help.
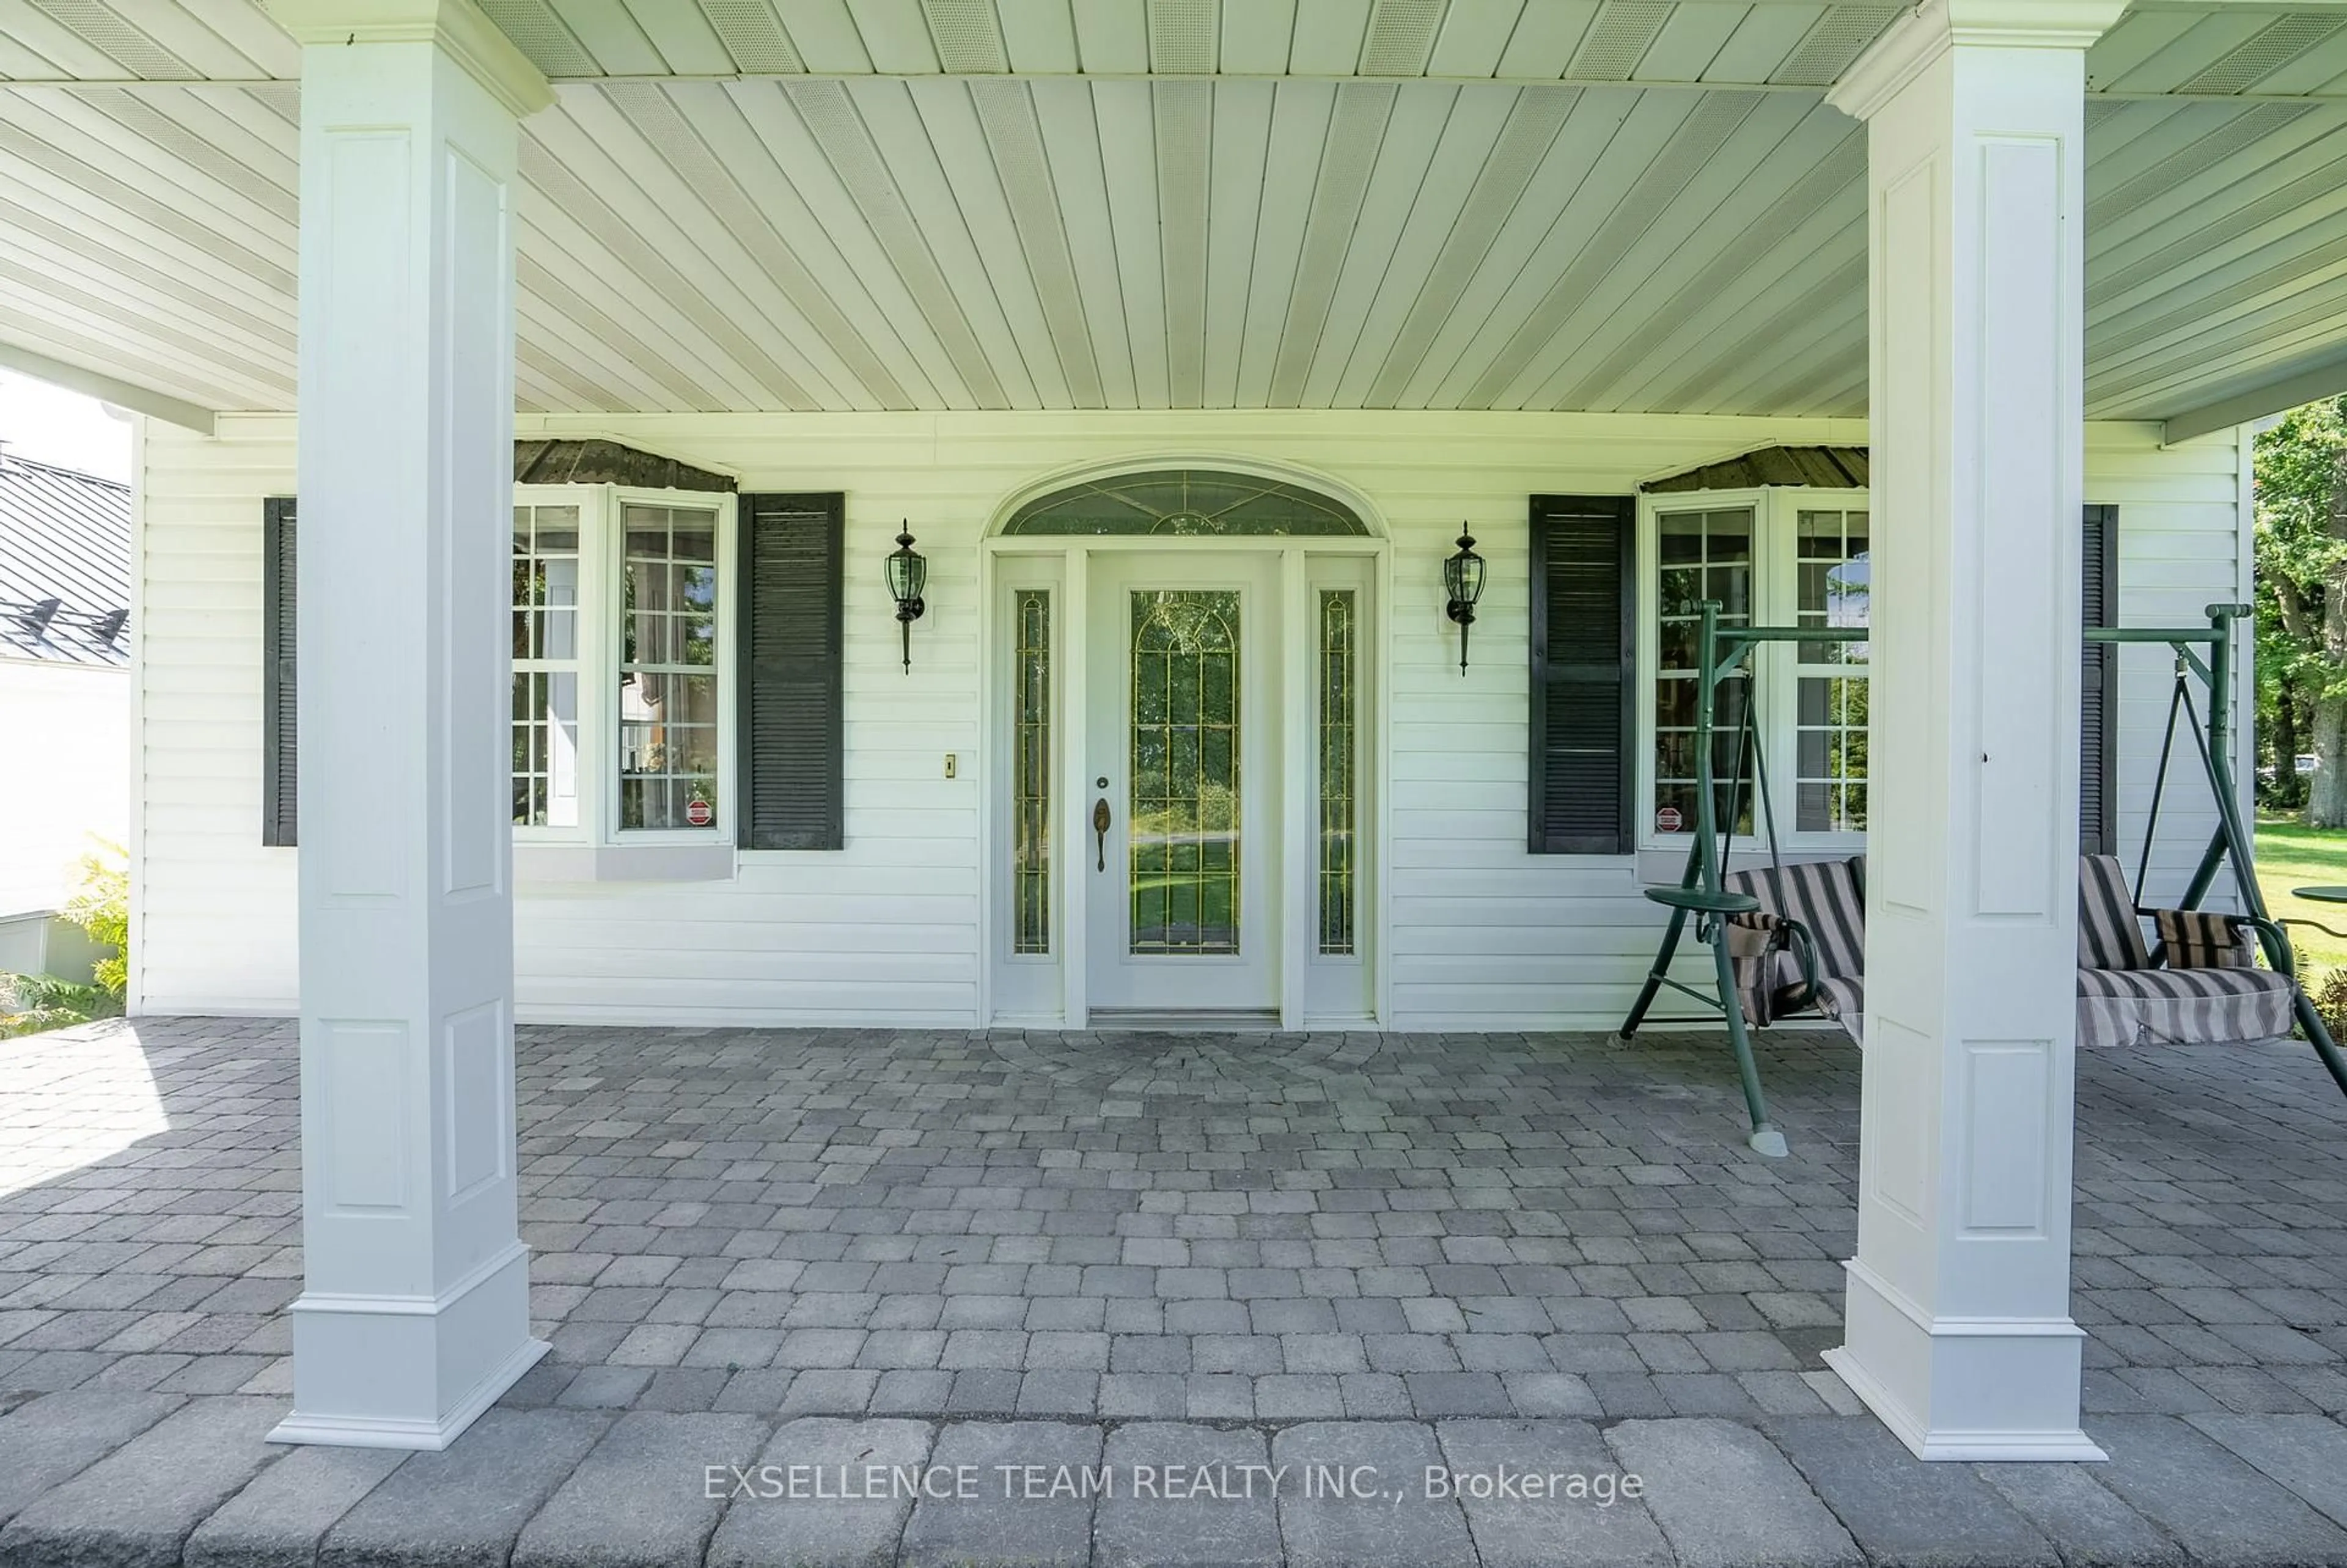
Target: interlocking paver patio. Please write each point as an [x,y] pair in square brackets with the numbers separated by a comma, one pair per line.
[843,1248]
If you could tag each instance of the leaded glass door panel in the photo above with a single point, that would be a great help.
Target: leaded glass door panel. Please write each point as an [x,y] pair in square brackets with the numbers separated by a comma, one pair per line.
[1184,754]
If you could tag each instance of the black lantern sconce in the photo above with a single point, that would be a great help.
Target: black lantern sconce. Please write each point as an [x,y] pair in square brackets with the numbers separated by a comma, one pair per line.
[908,575]
[1462,576]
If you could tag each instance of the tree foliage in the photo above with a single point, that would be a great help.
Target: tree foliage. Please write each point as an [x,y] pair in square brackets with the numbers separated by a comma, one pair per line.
[2302,555]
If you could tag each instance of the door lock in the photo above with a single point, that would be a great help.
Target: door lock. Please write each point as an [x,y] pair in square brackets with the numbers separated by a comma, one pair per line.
[1100,832]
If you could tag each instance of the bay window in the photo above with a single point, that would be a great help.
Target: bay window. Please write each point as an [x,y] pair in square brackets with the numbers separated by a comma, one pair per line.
[1829,723]
[1777,557]
[622,630]
[1699,556]
[668,717]
[546,666]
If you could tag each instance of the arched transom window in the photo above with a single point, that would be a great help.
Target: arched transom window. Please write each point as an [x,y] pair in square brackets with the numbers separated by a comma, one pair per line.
[1200,502]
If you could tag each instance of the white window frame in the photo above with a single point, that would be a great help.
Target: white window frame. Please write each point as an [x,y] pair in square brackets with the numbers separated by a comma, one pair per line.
[1776,601]
[602,545]
[581,662]
[721,831]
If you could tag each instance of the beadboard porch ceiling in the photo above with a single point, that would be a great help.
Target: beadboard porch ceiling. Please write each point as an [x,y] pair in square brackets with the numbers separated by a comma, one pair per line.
[1631,205]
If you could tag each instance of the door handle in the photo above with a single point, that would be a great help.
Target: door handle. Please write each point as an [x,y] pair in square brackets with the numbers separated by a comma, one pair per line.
[1100,832]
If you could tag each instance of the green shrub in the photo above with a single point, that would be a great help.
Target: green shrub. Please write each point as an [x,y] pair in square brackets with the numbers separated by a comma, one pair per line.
[101,907]
[2329,998]
[31,1003]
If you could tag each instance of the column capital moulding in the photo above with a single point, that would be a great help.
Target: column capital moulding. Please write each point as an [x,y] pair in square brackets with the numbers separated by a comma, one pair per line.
[1935,26]
[459,26]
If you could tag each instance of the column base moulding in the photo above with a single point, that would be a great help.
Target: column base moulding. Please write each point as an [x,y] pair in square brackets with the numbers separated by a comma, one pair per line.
[1931,1379]
[409,1372]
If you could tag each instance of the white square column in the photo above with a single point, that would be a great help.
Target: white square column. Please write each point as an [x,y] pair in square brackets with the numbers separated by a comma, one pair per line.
[1958,1331]
[413,1315]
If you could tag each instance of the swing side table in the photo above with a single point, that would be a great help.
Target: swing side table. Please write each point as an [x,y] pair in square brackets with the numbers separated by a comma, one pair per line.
[2320,895]
[1704,902]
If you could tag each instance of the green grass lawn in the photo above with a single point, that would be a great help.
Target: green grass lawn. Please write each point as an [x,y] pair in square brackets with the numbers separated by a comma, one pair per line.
[2292,855]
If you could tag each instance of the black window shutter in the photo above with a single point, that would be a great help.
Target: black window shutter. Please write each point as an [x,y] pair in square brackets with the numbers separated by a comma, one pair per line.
[279,760]
[2098,688]
[788,670]
[1584,647]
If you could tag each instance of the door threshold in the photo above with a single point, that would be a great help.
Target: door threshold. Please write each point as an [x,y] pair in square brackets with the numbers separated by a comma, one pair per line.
[1186,1020]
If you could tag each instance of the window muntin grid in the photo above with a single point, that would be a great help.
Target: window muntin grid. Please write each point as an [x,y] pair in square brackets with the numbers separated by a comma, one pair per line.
[1699,556]
[668,714]
[1183,810]
[1187,502]
[1030,827]
[1339,682]
[1834,571]
[545,581]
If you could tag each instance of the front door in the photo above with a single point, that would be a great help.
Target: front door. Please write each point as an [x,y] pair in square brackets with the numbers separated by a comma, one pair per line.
[1182,754]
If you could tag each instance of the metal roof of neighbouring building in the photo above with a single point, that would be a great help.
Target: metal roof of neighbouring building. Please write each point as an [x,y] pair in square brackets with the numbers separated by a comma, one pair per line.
[64,565]
[1828,468]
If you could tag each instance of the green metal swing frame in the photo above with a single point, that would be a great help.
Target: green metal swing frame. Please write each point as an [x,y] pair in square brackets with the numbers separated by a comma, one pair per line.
[1720,653]
[1700,894]
[2231,844]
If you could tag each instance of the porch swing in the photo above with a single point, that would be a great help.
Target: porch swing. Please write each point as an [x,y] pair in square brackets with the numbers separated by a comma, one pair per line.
[2198,984]
[1789,939]
[1749,919]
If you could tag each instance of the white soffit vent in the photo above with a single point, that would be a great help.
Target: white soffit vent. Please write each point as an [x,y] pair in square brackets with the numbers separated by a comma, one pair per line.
[752,37]
[638,253]
[1181,35]
[1355,130]
[1832,45]
[1624,30]
[968,36]
[131,108]
[590,393]
[1533,123]
[282,99]
[661,123]
[608,335]
[1705,129]
[100,27]
[1006,113]
[2209,306]
[134,199]
[1842,173]
[275,330]
[1402,36]
[539,33]
[1185,133]
[2171,259]
[839,130]
[2204,153]
[1700,390]
[2260,56]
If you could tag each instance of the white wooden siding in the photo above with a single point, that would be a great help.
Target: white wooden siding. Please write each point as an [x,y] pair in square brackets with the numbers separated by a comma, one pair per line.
[2183,546]
[1482,934]
[213,910]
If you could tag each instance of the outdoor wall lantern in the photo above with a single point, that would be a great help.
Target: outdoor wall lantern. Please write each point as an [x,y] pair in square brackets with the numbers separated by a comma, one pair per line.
[1462,575]
[908,575]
